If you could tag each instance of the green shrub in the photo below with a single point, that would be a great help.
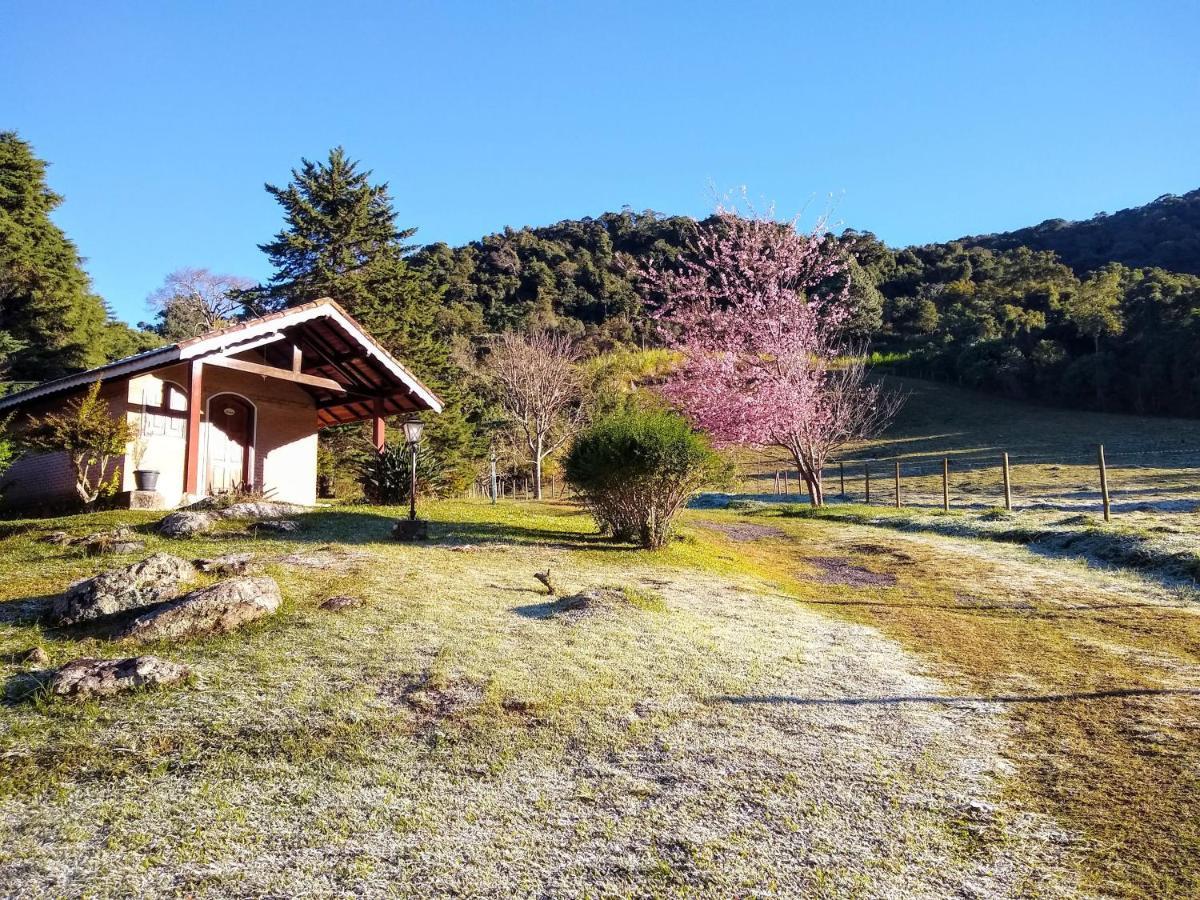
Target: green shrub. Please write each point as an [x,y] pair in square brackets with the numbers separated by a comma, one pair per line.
[94,439]
[635,469]
[385,477]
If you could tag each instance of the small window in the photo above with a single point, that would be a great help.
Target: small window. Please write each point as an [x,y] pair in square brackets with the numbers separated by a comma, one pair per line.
[163,410]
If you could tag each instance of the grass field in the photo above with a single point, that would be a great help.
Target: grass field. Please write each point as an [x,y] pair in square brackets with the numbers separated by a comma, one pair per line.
[777,703]
[1154,463]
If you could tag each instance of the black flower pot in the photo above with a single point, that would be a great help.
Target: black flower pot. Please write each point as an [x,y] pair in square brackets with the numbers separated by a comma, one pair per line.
[146,479]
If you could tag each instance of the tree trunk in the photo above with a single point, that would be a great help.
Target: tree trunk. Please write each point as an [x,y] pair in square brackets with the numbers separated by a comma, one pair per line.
[812,480]
[816,491]
[537,470]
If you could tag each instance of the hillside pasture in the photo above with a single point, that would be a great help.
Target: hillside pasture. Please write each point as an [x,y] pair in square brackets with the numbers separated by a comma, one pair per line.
[1153,463]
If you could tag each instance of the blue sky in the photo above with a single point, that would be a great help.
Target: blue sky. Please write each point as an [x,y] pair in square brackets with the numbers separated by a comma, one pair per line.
[919,121]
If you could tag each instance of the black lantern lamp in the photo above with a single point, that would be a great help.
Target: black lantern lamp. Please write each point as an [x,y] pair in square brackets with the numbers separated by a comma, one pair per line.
[412,435]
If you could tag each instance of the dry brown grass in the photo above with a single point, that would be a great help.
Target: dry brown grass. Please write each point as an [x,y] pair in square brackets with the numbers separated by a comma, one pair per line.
[1102,672]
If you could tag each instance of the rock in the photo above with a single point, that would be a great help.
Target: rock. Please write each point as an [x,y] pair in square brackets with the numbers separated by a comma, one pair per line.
[280,526]
[142,584]
[229,564]
[186,522]
[260,509]
[341,603]
[127,547]
[84,678]
[203,515]
[34,656]
[202,504]
[221,608]
[411,530]
[119,541]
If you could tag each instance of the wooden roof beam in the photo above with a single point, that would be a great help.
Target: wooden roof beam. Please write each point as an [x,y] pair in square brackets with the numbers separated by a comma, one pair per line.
[241,365]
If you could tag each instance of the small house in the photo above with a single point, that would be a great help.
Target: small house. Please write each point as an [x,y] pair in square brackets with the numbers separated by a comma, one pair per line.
[238,408]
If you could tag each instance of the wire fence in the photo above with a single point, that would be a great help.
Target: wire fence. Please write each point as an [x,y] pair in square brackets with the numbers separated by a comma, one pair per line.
[1103,479]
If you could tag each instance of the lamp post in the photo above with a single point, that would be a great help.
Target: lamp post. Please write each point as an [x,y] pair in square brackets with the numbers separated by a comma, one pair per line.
[412,434]
[492,460]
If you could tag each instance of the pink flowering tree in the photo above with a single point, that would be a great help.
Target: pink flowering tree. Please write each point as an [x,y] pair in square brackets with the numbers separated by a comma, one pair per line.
[757,312]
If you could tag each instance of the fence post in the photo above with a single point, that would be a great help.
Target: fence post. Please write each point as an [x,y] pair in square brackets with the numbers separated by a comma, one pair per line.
[1104,485]
[842,472]
[897,484]
[867,473]
[1007,484]
[945,484]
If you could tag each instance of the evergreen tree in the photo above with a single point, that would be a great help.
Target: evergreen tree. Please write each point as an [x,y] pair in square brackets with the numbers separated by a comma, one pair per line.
[50,321]
[340,240]
[340,237]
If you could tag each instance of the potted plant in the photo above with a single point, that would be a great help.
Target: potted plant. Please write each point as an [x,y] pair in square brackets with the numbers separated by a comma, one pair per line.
[144,479]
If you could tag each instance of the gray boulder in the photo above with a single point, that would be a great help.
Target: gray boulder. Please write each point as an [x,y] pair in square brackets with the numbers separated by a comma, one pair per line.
[227,564]
[119,540]
[84,678]
[203,516]
[261,509]
[186,522]
[153,580]
[224,607]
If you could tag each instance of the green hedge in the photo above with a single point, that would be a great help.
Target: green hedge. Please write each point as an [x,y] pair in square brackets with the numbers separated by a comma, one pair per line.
[635,470]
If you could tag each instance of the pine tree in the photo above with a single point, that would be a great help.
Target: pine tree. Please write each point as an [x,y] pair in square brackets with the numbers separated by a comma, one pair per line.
[340,239]
[50,321]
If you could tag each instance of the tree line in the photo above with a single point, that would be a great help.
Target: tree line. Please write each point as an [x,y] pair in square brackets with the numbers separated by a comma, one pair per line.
[1013,320]
[1162,234]
[1021,323]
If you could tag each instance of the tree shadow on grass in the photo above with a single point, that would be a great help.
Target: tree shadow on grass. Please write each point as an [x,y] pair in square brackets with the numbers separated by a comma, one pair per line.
[350,527]
[26,610]
[936,700]
[543,610]
[1014,611]
[24,687]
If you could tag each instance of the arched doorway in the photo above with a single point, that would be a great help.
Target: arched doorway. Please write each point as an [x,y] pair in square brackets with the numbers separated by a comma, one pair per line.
[230,443]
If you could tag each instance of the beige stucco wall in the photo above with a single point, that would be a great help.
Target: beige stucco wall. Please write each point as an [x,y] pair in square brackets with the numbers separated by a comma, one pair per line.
[285,438]
[284,461]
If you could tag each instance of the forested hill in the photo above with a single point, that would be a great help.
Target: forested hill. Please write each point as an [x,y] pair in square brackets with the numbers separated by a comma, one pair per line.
[1163,234]
[1014,320]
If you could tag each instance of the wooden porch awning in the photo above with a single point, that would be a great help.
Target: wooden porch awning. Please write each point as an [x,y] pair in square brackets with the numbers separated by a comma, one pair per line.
[317,346]
[350,376]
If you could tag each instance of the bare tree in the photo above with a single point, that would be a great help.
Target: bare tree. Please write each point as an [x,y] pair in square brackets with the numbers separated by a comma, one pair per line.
[193,301]
[539,390]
